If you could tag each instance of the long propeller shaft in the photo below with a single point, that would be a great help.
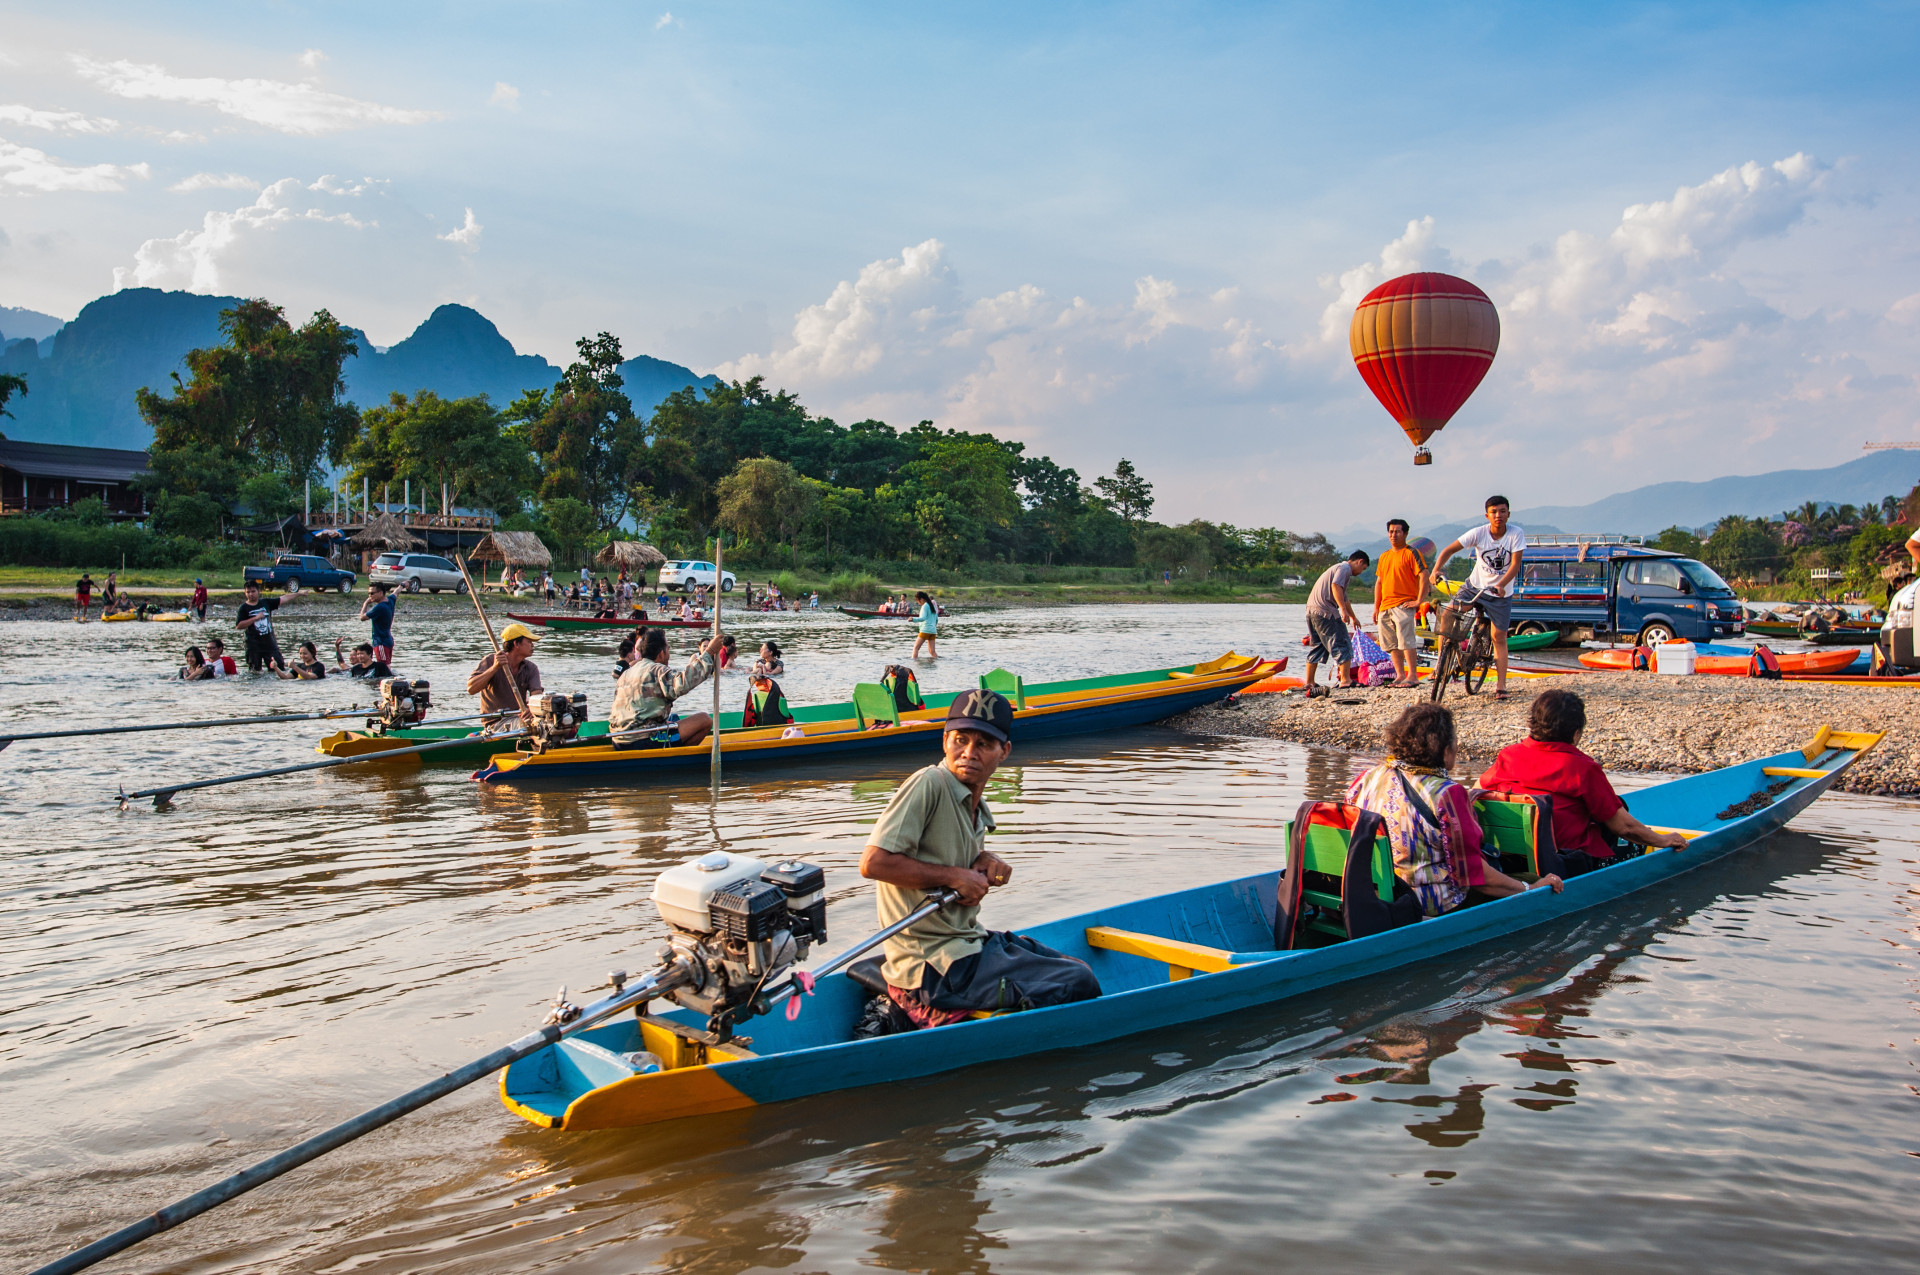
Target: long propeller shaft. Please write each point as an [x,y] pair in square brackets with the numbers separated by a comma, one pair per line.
[327,715]
[161,796]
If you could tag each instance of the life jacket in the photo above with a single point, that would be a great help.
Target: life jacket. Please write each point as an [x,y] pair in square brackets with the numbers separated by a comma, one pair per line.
[905,687]
[1641,659]
[1764,663]
[766,705]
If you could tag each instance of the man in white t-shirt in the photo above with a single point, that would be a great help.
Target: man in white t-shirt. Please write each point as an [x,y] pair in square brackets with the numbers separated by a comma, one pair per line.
[1498,548]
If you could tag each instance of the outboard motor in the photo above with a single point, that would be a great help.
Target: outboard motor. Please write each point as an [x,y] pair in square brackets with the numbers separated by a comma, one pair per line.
[735,924]
[402,703]
[557,718]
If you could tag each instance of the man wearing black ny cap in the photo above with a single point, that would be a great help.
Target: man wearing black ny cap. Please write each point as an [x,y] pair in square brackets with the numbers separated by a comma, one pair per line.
[933,836]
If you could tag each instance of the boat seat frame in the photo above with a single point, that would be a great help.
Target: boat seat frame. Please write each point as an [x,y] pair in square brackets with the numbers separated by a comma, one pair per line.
[873,703]
[1183,959]
[1006,683]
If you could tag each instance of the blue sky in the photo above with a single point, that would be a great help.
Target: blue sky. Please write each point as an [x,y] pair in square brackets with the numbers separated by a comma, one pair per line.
[1109,230]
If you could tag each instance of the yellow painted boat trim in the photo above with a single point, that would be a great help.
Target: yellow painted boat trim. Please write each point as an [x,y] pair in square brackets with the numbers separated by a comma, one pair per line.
[774,738]
[1182,958]
[1796,772]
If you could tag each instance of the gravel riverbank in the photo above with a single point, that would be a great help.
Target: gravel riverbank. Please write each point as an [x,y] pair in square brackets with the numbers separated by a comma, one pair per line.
[1635,721]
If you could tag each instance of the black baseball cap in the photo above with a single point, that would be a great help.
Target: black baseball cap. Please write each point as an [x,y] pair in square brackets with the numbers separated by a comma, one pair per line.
[985,711]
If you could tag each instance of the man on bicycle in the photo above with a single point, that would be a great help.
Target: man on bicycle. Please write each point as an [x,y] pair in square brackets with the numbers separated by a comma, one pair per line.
[1498,548]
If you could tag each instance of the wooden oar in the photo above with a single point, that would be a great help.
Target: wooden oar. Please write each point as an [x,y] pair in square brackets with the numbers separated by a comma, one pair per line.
[324,715]
[719,575]
[625,996]
[512,681]
[161,796]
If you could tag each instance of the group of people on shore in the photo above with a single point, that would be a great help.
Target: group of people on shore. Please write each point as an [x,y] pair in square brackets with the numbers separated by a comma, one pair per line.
[1403,583]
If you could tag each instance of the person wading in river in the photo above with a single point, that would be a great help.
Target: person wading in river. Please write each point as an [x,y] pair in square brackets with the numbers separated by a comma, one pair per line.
[255,619]
[490,678]
[933,836]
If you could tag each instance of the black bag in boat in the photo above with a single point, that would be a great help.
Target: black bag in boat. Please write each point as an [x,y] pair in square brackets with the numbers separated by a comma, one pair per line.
[900,680]
[1010,971]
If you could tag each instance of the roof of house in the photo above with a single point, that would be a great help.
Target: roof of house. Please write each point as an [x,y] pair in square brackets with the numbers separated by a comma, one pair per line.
[56,460]
[515,548]
[631,554]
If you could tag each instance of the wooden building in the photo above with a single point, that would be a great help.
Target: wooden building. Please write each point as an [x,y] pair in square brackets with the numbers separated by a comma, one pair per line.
[36,477]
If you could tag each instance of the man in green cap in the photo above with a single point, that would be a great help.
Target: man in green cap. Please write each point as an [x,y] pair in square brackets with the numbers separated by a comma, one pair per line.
[932,836]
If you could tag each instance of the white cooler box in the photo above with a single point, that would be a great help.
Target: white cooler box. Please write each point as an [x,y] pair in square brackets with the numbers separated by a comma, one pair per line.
[1674,658]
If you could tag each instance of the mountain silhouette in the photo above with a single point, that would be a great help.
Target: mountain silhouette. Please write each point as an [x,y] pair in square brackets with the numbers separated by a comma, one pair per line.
[82,392]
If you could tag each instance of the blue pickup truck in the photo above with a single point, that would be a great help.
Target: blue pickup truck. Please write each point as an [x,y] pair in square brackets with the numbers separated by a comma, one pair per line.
[291,571]
[1617,587]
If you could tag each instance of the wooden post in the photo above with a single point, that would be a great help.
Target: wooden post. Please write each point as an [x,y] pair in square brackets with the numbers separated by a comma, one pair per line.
[718,565]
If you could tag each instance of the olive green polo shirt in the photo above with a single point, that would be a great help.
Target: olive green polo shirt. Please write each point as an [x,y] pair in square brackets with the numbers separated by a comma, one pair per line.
[930,819]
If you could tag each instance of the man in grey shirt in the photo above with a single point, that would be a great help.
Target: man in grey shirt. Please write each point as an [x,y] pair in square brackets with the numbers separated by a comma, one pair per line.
[1328,616]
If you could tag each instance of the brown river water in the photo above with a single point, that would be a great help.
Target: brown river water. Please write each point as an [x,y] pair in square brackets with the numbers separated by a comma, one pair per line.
[1718,1076]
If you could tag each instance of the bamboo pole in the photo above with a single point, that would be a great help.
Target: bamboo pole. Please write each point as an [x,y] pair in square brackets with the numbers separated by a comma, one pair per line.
[718,567]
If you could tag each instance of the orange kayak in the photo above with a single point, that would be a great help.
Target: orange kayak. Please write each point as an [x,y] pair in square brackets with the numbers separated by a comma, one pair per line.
[1824,661]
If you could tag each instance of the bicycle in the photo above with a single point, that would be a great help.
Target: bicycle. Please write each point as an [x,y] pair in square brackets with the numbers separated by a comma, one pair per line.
[1462,649]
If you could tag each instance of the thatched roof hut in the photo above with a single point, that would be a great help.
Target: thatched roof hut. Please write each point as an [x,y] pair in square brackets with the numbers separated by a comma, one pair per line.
[515,548]
[631,554]
[387,532]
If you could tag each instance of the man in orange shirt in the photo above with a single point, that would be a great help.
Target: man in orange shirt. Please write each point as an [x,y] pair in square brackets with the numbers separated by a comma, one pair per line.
[1399,584]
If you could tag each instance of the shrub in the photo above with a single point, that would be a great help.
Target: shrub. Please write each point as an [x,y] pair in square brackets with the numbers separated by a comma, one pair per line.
[44,542]
[854,586]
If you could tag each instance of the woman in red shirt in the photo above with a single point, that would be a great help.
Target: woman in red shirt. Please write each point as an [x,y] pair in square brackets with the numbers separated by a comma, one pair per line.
[1587,813]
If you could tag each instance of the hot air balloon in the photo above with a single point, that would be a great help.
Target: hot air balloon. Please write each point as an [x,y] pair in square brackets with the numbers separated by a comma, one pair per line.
[1423,342]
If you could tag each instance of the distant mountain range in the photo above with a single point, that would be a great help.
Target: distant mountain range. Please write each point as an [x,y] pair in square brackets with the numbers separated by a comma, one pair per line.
[1644,511]
[81,389]
[18,324]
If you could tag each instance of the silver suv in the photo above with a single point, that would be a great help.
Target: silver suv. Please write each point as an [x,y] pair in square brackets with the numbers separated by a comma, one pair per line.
[412,572]
[685,575]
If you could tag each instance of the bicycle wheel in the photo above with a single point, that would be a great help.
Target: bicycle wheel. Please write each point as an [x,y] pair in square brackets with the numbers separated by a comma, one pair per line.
[1444,664]
[1479,659]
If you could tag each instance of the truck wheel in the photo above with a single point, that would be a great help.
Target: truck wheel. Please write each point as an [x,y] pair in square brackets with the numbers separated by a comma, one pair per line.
[293,585]
[346,586]
[1529,628]
[1656,633]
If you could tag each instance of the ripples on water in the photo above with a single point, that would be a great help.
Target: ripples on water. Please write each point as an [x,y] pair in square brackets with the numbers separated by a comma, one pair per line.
[1720,1076]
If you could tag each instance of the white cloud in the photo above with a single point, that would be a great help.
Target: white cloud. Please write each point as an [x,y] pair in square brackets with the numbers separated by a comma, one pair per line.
[192,259]
[22,168]
[56,121]
[1630,352]
[312,58]
[300,109]
[665,20]
[467,236]
[505,95]
[213,181]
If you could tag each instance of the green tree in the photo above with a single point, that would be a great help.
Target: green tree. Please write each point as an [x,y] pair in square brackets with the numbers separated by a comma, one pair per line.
[1129,493]
[573,523]
[9,386]
[766,501]
[1177,549]
[589,445]
[1743,547]
[1679,540]
[430,441]
[268,399]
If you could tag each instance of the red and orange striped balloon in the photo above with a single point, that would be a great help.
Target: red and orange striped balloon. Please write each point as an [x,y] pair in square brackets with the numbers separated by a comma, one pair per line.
[1423,343]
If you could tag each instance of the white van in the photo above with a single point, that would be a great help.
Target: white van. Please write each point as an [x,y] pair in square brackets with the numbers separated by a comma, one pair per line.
[412,572]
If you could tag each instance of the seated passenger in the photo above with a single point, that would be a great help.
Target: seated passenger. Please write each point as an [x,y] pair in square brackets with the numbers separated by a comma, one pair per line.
[1429,818]
[933,836]
[643,697]
[1587,813]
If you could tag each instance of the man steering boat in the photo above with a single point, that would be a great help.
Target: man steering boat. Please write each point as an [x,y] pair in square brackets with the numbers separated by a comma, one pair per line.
[933,836]
[490,680]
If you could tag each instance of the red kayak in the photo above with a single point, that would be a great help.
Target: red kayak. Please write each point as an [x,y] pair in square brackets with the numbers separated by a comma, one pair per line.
[1734,665]
[574,623]
[870,613]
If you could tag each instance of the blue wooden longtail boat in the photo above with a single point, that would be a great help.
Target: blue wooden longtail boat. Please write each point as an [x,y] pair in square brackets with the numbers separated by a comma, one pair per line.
[872,723]
[1174,958]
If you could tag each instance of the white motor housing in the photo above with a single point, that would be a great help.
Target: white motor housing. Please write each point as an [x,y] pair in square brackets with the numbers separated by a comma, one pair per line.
[684,894]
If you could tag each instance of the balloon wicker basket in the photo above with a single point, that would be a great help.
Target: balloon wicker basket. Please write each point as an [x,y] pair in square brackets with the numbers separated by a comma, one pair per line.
[1421,456]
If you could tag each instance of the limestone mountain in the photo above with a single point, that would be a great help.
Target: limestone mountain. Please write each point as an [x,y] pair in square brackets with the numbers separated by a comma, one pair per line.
[82,391]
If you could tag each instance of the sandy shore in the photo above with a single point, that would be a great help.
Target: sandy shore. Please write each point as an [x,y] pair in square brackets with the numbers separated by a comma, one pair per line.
[1635,721]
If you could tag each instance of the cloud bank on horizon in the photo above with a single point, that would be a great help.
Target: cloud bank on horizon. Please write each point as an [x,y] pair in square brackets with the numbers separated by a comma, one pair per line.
[1171,283]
